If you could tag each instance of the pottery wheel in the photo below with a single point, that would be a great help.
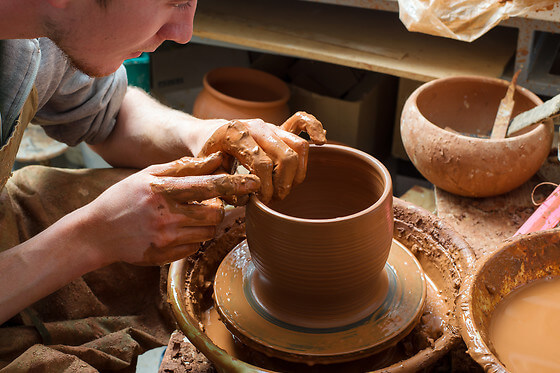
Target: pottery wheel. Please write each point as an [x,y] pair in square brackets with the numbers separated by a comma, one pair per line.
[384,327]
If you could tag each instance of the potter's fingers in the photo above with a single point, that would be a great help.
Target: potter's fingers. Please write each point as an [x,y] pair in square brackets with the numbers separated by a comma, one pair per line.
[180,233]
[215,142]
[200,188]
[301,147]
[284,158]
[237,200]
[198,214]
[190,235]
[189,166]
[169,254]
[235,140]
[302,121]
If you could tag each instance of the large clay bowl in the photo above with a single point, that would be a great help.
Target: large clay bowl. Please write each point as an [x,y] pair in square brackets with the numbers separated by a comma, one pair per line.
[242,93]
[443,254]
[438,115]
[517,262]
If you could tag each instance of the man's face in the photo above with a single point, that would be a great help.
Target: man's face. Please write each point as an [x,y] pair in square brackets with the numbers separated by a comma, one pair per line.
[98,39]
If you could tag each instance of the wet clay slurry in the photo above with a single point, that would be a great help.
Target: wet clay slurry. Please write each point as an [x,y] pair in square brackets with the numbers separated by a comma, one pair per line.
[320,252]
[520,261]
[525,328]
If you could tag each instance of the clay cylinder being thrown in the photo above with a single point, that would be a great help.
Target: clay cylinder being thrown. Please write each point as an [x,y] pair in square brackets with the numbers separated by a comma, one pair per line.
[242,93]
[320,253]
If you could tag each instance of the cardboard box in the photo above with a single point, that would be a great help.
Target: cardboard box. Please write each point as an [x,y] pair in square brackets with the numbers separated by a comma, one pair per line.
[406,87]
[363,118]
[325,78]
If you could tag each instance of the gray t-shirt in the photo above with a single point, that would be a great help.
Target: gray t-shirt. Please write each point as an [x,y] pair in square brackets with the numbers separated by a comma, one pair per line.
[19,64]
[73,107]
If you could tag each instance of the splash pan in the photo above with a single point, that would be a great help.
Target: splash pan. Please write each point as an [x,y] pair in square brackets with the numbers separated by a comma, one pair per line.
[252,324]
[440,251]
[520,261]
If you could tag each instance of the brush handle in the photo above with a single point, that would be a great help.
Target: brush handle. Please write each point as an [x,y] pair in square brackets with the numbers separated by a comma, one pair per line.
[545,217]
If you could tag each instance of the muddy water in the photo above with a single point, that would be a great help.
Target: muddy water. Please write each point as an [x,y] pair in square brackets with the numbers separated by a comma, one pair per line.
[429,329]
[525,328]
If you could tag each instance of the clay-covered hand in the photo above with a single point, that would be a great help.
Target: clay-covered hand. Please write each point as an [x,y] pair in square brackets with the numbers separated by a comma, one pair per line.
[277,155]
[164,212]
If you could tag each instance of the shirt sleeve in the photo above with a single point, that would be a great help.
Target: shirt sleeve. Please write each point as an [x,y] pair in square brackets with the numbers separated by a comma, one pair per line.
[74,107]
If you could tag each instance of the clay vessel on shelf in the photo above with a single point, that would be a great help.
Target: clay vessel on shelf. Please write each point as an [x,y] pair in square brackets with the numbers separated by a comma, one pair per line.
[242,93]
[320,253]
[442,125]
[518,262]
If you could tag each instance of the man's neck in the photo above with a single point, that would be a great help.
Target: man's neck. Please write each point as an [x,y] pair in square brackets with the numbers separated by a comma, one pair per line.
[20,19]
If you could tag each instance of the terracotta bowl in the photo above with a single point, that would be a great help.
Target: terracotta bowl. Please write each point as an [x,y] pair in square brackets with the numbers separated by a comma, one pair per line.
[439,125]
[517,262]
[242,93]
[443,254]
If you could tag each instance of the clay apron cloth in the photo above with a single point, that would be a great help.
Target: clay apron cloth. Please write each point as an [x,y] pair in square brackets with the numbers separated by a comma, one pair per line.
[9,150]
[99,322]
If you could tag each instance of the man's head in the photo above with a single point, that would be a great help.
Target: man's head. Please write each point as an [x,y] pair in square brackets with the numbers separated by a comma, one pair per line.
[98,35]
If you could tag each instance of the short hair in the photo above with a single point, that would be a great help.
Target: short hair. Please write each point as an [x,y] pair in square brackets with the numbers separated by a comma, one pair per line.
[103,3]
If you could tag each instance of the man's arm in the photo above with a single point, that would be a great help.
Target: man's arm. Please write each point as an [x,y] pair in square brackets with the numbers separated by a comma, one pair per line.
[152,217]
[147,132]
[45,263]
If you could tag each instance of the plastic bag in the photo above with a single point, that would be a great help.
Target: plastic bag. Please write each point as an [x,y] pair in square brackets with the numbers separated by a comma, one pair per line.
[463,19]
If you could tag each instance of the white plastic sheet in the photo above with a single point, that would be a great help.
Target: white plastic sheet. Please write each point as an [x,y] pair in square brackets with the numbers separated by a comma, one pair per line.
[463,19]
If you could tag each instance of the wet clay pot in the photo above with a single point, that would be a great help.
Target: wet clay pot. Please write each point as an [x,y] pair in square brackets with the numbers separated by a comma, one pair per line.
[518,262]
[440,123]
[242,93]
[319,254]
[443,254]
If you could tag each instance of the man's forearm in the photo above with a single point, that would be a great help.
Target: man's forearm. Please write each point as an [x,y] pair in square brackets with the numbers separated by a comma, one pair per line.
[148,132]
[45,263]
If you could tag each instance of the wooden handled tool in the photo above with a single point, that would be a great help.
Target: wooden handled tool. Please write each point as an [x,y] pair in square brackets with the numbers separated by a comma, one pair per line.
[503,127]
[505,109]
[549,109]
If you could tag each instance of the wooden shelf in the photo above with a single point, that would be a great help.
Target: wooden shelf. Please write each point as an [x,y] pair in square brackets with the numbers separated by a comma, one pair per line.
[528,56]
[552,15]
[362,38]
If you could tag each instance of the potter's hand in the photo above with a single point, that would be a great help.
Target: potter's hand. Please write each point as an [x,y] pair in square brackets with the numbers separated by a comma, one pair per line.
[165,211]
[275,154]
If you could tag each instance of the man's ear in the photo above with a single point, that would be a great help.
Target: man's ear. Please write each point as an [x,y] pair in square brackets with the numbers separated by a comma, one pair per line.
[60,4]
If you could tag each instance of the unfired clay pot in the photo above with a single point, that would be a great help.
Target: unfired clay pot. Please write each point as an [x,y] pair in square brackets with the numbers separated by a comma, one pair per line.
[516,263]
[319,254]
[242,93]
[435,125]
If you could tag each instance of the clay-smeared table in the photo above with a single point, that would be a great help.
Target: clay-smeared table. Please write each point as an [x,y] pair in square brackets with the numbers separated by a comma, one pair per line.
[486,222]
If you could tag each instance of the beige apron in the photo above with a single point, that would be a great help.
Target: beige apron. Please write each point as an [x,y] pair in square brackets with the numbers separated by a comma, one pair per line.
[99,322]
[9,150]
